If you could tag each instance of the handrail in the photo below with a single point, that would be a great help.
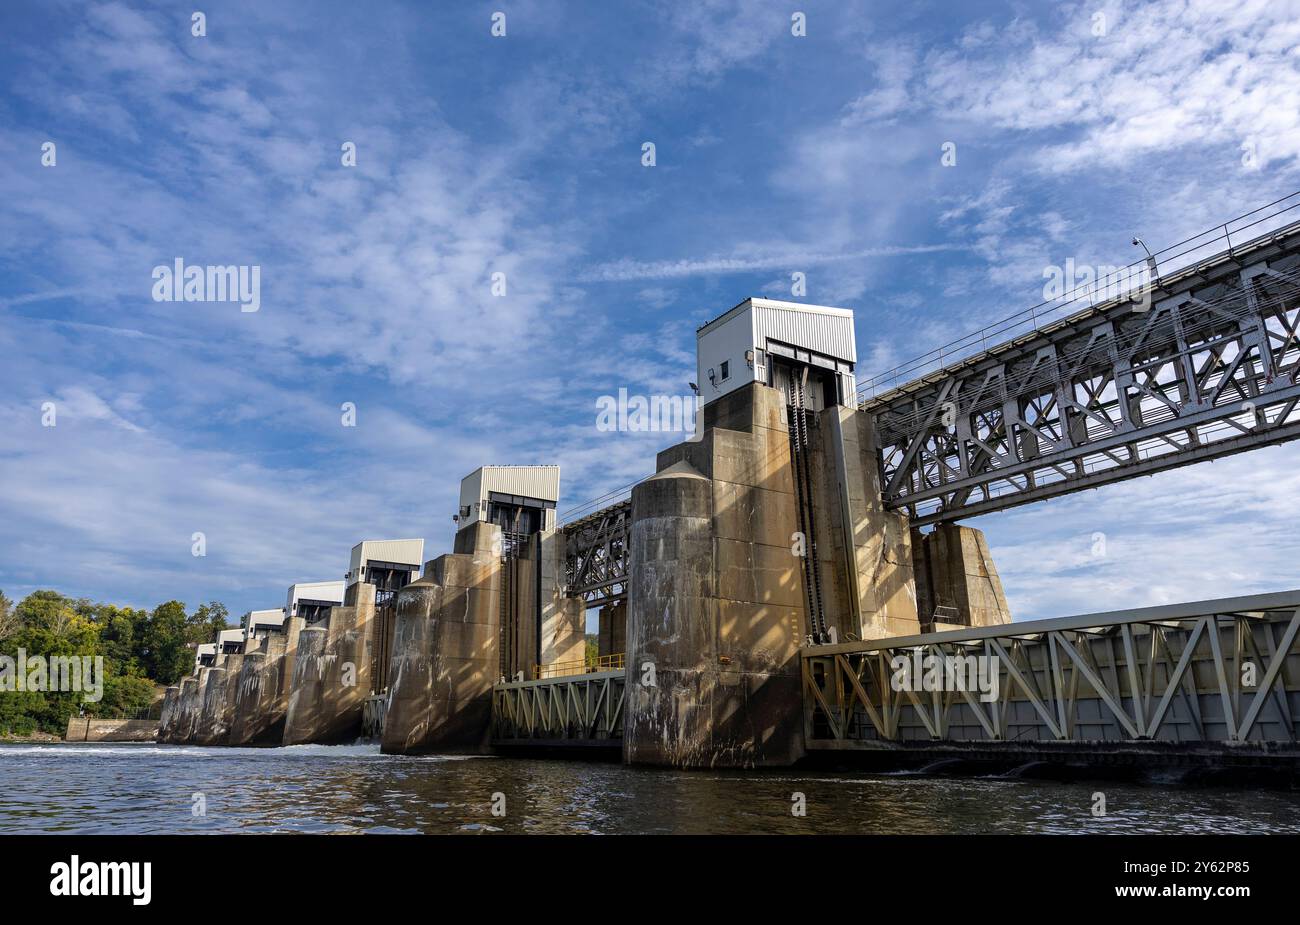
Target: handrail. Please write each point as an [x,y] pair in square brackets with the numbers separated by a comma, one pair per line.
[581,666]
[1252,603]
[1050,309]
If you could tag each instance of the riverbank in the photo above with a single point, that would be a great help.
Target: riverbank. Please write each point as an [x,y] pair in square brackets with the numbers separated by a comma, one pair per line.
[43,738]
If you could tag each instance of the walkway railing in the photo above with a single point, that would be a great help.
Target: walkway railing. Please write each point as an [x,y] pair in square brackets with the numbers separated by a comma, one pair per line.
[581,666]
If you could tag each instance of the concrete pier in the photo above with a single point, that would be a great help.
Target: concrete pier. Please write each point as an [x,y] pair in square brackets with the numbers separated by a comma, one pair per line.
[264,686]
[332,671]
[170,710]
[190,705]
[866,554]
[251,696]
[212,728]
[563,629]
[302,716]
[716,608]
[957,583]
[611,636]
[446,649]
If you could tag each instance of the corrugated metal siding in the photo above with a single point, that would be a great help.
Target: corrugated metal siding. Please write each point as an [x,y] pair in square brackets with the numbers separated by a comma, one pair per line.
[471,492]
[831,335]
[407,552]
[315,591]
[542,482]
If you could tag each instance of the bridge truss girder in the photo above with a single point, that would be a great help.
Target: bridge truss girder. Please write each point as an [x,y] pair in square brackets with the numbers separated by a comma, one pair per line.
[1210,368]
[580,709]
[596,555]
[1215,672]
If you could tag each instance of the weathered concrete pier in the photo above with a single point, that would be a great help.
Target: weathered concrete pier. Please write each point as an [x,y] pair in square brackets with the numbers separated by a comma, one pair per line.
[792,581]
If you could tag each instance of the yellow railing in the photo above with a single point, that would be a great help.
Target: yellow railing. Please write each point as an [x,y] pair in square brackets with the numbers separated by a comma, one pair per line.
[581,666]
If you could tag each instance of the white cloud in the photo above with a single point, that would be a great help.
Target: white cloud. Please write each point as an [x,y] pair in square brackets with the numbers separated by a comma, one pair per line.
[1211,530]
[1164,76]
[628,269]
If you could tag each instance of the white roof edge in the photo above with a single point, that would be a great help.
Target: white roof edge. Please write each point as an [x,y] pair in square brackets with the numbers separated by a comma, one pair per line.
[804,307]
[517,466]
[808,307]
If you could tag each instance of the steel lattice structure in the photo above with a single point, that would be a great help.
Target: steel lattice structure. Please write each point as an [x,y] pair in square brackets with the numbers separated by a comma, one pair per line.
[1201,364]
[580,709]
[1225,671]
[596,557]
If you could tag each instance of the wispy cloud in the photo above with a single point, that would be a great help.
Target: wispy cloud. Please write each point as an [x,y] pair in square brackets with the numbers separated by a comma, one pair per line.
[625,270]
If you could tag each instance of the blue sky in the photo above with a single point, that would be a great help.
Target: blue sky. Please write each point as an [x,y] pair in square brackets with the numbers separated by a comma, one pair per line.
[522,155]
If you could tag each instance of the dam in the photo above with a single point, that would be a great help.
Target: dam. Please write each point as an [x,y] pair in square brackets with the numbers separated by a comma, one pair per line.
[760,597]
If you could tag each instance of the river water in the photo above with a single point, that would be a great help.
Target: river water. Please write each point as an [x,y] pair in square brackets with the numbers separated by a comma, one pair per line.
[120,789]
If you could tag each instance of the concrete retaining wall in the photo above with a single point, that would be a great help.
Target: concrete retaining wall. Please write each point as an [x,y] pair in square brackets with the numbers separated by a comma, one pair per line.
[85,729]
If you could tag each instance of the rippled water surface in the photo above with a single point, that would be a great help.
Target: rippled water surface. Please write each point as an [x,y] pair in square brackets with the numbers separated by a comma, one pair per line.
[107,789]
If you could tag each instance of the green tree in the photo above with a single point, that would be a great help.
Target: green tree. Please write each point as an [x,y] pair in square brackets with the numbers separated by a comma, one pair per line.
[8,619]
[208,620]
[121,635]
[136,645]
[50,610]
[125,696]
[163,652]
[23,711]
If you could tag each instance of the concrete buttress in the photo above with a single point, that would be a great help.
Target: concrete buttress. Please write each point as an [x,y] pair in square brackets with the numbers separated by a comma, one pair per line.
[446,649]
[716,606]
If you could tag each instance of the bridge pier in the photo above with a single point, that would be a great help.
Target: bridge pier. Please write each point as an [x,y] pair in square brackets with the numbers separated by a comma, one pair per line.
[263,693]
[957,583]
[332,673]
[715,598]
[611,636]
[446,649]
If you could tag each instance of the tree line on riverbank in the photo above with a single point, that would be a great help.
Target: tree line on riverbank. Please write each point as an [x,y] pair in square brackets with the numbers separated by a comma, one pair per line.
[142,649]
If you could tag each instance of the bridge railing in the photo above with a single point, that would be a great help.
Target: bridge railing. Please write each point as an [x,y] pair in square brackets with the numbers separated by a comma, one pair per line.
[1123,281]
[1213,672]
[579,666]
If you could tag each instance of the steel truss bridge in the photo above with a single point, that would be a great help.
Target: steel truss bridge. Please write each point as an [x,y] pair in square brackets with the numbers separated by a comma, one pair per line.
[1197,365]
[596,554]
[1222,675]
[584,710]
[1223,672]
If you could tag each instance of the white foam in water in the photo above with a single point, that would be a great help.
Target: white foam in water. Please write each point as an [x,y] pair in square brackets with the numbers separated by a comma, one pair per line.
[130,750]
